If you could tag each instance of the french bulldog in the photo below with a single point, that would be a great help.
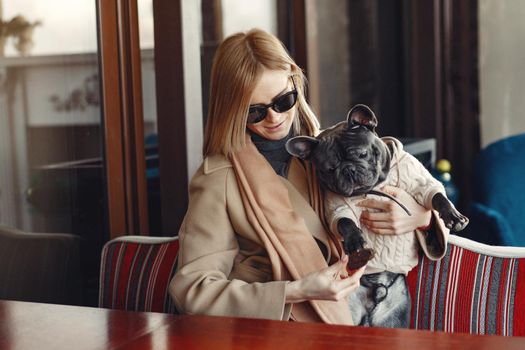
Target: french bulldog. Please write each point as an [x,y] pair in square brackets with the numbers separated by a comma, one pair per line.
[352,161]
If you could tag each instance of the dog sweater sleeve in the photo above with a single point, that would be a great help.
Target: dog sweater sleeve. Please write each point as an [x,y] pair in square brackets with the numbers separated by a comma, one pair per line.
[337,207]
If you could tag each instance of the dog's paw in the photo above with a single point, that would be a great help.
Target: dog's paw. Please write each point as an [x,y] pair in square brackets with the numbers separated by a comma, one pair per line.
[359,258]
[455,221]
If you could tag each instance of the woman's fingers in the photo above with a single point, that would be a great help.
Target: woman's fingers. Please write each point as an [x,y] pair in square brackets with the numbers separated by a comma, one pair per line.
[337,269]
[384,221]
[376,224]
[383,231]
[376,216]
[375,204]
[349,284]
[386,216]
[391,190]
[324,284]
[399,226]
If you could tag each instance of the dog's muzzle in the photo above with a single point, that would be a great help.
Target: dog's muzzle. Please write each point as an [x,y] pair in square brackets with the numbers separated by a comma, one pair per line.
[349,172]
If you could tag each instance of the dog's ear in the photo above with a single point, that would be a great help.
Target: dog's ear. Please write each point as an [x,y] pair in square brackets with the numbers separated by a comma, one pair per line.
[361,115]
[301,146]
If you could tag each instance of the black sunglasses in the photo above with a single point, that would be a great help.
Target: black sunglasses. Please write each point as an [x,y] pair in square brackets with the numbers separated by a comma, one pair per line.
[283,103]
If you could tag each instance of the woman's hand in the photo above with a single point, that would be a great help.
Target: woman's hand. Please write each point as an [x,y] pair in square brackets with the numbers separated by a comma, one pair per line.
[324,284]
[392,219]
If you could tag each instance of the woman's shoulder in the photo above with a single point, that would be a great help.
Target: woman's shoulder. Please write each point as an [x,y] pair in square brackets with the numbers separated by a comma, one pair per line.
[212,168]
[214,163]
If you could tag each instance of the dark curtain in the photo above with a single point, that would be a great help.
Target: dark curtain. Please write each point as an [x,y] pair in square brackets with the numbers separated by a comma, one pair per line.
[415,62]
[442,63]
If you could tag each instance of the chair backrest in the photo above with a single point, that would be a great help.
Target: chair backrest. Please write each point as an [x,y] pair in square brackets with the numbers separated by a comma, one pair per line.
[135,273]
[499,192]
[475,288]
[39,267]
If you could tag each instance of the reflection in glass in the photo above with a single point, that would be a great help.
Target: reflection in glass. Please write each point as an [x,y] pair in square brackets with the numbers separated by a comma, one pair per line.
[51,177]
[55,32]
[241,15]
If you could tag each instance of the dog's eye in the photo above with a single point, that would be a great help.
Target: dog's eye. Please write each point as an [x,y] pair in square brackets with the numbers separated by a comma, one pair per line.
[330,167]
[363,154]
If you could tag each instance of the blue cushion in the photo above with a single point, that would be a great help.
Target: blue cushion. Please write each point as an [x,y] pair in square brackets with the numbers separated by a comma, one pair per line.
[499,186]
[487,225]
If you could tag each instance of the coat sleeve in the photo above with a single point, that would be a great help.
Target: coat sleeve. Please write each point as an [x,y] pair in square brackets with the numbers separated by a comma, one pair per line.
[208,248]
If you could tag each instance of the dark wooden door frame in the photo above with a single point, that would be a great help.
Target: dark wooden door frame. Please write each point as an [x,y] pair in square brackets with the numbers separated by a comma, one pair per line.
[170,112]
[296,28]
[123,135]
[212,36]
[179,104]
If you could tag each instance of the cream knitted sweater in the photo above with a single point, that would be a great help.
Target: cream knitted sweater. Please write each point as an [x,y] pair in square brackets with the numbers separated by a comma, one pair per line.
[395,253]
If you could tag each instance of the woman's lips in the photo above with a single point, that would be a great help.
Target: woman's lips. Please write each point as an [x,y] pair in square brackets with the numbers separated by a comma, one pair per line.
[273,128]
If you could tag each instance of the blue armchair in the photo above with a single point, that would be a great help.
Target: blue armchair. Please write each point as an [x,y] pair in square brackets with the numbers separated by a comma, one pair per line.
[497,214]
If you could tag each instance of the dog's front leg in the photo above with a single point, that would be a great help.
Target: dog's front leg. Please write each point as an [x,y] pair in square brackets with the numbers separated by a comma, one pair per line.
[354,244]
[452,218]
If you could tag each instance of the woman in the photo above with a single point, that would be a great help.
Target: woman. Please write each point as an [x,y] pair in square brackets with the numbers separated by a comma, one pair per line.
[252,244]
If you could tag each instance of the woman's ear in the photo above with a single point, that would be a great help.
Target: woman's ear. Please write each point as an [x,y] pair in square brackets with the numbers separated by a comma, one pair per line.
[301,146]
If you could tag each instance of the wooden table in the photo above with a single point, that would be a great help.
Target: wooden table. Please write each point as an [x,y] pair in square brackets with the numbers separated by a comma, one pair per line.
[44,326]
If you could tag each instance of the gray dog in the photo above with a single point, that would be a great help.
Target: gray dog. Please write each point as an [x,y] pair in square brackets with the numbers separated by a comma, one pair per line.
[352,161]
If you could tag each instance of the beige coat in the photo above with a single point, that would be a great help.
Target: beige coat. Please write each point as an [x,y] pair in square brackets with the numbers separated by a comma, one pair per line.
[223,268]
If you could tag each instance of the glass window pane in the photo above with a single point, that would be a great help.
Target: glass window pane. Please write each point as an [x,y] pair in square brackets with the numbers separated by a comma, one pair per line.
[501,74]
[242,15]
[51,174]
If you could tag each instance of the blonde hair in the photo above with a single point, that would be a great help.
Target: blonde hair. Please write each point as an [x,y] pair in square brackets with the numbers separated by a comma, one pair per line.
[238,65]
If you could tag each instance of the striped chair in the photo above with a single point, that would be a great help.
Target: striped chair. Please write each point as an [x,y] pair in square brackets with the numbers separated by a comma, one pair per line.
[135,273]
[475,288]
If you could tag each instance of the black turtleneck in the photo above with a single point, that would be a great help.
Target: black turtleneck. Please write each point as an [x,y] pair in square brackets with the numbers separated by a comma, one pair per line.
[274,151]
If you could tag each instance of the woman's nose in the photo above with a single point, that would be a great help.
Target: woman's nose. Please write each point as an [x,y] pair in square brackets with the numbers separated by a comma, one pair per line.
[272,116]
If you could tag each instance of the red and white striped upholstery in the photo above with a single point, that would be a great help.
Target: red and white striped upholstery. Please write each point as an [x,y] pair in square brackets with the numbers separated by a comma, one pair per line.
[475,288]
[135,273]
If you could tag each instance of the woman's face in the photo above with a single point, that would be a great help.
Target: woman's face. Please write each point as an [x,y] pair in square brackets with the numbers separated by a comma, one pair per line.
[275,126]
